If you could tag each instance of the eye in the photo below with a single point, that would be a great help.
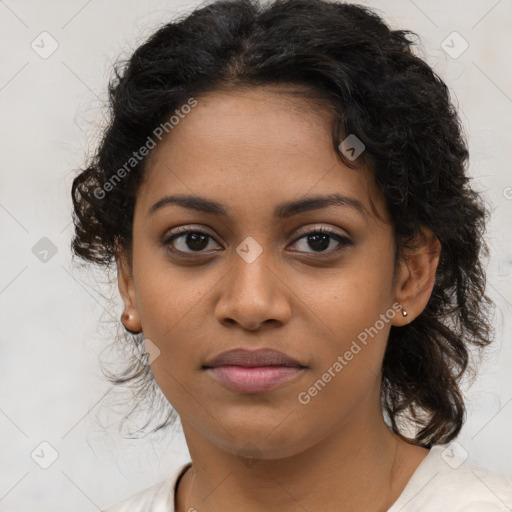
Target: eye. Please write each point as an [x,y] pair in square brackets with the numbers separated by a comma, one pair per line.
[189,241]
[183,239]
[320,240]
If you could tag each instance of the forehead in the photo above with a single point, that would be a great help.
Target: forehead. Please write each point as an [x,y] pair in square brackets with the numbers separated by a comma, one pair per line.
[254,146]
[253,119]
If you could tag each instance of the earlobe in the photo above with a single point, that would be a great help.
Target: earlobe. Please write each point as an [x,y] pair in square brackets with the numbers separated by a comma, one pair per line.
[417,275]
[130,317]
[128,321]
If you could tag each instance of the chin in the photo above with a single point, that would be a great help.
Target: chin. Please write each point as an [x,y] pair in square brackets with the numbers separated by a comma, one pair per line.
[262,441]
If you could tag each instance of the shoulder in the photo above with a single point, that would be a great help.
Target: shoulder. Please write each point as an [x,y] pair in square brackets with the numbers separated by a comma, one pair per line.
[145,500]
[157,498]
[447,480]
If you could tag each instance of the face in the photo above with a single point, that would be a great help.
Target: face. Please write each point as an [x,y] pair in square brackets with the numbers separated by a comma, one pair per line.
[264,268]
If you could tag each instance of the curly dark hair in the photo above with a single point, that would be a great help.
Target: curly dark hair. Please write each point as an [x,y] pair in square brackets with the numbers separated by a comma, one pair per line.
[347,57]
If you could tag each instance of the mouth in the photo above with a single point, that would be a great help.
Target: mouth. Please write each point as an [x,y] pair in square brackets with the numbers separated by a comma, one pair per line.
[253,371]
[254,379]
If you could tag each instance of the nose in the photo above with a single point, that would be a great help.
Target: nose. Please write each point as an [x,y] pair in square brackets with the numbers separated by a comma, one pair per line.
[253,295]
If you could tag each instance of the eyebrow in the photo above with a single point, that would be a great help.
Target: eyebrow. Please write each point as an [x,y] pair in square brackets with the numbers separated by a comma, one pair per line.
[282,211]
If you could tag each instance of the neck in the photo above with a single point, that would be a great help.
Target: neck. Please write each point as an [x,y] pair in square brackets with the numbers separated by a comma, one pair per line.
[357,467]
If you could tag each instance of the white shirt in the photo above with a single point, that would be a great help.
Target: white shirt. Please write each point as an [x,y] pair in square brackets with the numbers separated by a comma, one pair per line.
[443,482]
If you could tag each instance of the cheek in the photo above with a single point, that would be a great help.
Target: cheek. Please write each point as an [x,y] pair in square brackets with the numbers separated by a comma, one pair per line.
[356,307]
[170,309]
[168,303]
[353,297]
[166,294]
[173,316]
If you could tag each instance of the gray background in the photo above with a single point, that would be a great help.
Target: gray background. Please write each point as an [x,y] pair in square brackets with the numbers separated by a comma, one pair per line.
[54,323]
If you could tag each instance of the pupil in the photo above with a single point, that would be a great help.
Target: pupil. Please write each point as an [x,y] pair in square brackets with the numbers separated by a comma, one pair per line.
[197,241]
[319,241]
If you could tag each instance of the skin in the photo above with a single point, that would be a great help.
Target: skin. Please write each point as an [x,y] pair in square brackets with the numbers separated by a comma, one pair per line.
[251,150]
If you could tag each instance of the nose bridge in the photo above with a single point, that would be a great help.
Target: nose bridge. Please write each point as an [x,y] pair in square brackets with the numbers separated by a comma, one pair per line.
[253,292]
[252,266]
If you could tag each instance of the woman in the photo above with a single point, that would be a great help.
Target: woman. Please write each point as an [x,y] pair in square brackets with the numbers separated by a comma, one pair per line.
[283,191]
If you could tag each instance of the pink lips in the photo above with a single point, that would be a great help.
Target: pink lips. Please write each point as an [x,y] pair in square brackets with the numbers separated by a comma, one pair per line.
[253,371]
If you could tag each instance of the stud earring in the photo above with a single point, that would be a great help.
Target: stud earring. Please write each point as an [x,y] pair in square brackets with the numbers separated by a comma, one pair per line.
[404,313]
[129,316]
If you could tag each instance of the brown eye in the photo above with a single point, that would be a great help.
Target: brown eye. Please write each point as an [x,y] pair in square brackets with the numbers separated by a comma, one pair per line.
[319,240]
[189,241]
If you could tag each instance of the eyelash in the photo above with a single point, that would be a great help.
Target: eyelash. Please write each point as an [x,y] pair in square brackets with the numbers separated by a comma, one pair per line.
[342,240]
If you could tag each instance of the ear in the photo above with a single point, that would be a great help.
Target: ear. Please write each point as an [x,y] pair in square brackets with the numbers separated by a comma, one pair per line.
[130,318]
[416,276]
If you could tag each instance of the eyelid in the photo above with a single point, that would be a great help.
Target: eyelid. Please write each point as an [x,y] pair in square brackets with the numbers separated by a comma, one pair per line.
[187,228]
[343,239]
[316,228]
[343,242]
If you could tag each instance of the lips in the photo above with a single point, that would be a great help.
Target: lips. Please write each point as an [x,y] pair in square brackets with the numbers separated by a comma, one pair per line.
[253,371]
[253,358]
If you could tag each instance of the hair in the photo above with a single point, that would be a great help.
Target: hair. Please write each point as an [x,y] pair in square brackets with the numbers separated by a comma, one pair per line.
[377,89]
